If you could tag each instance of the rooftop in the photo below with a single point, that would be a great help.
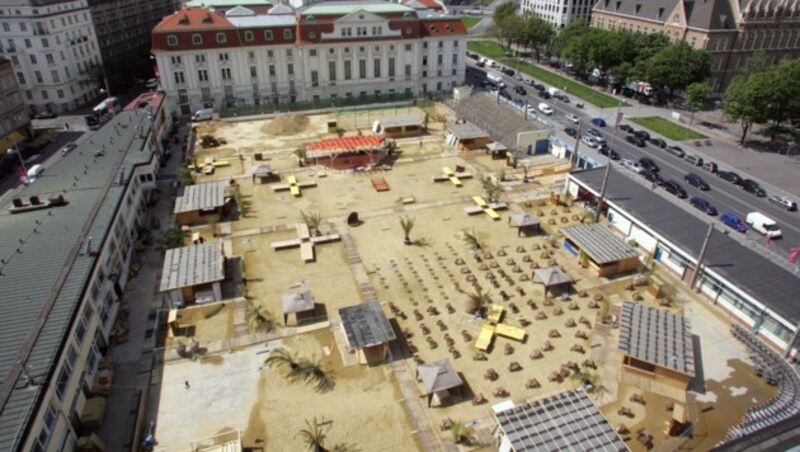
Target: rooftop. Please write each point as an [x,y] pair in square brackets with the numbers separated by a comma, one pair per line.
[44,258]
[205,196]
[656,336]
[602,245]
[365,325]
[565,421]
[351,143]
[337,8]
[466,131]
[763,280]
[552,276]
[193,265]
[438,376]
[399,121]
[523,220]
[295,302]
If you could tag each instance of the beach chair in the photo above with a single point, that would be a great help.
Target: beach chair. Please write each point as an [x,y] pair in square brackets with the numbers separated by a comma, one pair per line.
[485,338]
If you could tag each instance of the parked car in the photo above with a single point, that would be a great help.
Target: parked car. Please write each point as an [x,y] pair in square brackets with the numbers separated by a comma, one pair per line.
[652,177]
[544,95]
[546,109]
[731,177]
[532,83]
[633,166]
[598,136]
[658,142]
[607,151]
[69,147]
[693,159]
[649,164]
[520,90]
[711,167]
[509,72]
[46,115]
[572,118]
[763,225]
[539,87]
[676,151]
[674,188]
[626,128]
[571,131]
[783,201]
[642,134]
[590,141]
[703,205]
[734,222]
[696,181]
[599,122]
[481,63]
[635,140]
[751,186]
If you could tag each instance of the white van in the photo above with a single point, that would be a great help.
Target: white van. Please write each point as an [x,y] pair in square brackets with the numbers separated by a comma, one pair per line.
[546,109]
[763,225]
[496,79]
[35,171]
[553,92]
[203,114]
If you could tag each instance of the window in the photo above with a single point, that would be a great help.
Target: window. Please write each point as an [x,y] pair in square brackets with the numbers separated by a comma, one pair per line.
[6,27]
[248,36]
[54,75]
[314,79]
[270,54]
[223,57]
[312,35]
[15,60]
[288,53]
[200,58]
[50,59]
[425,45]
[39,78]
[441,44]
[408,30]
[377,31]
[251,55]
[348,73]
[455,58]
[287,34]
[66,372]
[290,69]
[362,69]
[313,52]
[45,42]
[172,40]
[21,78]
[197,39]
[439,59]
[455,43]
[332,71]
[408,47]
[222,38]
[272,71]
[83,324]
[424,60]
[268,35]
[226,73]
[347,31]
[376,65]
[408,72]
[33,59]
[253,73]
[175,59]
[43,439]
[391,67]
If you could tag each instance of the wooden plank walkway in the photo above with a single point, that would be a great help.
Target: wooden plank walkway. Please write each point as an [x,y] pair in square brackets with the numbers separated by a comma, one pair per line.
[428,439]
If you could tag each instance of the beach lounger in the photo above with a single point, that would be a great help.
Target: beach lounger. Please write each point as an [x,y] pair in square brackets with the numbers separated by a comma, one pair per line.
[307,252]
[485,338]
[495,313]
[380,184]
[510,332]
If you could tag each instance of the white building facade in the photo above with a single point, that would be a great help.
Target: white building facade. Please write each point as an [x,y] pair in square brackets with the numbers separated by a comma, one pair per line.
[52,47]
[558,12]
[323,51]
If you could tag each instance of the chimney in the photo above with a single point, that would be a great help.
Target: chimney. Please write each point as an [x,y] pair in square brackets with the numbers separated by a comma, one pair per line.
[87,250]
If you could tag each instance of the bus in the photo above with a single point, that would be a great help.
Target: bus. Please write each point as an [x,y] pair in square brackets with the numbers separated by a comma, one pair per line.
[102,113]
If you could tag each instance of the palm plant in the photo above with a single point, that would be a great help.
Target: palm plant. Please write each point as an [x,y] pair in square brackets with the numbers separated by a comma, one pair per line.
[281,357]
[311,372]
[313,220]
[462,433]
[314,434]
[472,240]
[258,320]
[301,154]
[477,302]
[407,223]
[490,189]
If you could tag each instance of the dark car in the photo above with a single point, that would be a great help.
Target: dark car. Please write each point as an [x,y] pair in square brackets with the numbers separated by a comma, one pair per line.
[733,221]
[599,122]
[46,115]
[544,95]
[481,63]
[612,154]
[532,82]
[649,165]
[571,132]
[676,151]
[505,93]
[696,181]
[653,177]
[658,142]
[539,87]
[509,72]
[711,167]
[751,186]
[634,140]
[731,177]
[642,134]
[703,205]
[520,90]
[626,128]
[674,188]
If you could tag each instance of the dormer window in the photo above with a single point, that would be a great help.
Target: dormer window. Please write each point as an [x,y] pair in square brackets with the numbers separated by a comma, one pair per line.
[208,19]
[287,34]
[408,30]
[433,28]
[222,38]
[197,39]
[312,35]
[248,36]
[184,20]
[638,7]
[448,28]
[618,5]
[172,40]
[268,35]
[660,12]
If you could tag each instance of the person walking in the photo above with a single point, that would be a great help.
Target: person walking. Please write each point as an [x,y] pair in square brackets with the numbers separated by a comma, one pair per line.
[186,383]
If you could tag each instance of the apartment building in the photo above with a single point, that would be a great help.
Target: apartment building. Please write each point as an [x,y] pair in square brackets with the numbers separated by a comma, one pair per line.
[64,268]
[334,49]
[730,30]
[558,12]
[123,26]
[14,118]
[52,47]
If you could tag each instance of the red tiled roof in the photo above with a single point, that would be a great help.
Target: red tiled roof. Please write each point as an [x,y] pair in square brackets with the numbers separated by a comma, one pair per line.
[352,143]
[444,27]
[432,4]
[192,19]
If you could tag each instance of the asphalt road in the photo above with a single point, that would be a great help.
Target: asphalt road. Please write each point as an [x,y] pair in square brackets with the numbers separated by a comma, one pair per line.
[726,197]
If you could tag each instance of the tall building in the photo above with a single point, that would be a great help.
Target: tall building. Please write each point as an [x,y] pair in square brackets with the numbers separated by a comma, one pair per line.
[558,12]
[331,49]
[123,26]
[730,30]
[52,47]
[14,118]
[63,272]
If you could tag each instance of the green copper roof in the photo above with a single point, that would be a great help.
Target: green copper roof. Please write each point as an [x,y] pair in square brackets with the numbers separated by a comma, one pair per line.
[347,8]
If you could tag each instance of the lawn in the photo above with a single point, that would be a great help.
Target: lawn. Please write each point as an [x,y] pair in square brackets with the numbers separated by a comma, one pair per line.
[576,89]
[470,22]
[489,49]
[668,128]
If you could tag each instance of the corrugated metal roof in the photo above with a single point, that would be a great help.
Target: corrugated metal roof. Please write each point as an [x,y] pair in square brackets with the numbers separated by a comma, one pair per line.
[466,131]
[399,121]
[365,325]
[552,276]
[206,196]
[753,274]
[37,246]
[438,376]
[565,421]
[193,265]
[657,336]
[602,245]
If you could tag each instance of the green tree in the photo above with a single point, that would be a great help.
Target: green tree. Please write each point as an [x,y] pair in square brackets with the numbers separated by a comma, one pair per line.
[696,96]
[257,319]
[185,176]
[407,223]
[505,10]
[172,238]
[314,434]
[301,153]
[538,34]
[510,29]
[678,66]
[744,101]
[783,94]
[490,189]
[567,34]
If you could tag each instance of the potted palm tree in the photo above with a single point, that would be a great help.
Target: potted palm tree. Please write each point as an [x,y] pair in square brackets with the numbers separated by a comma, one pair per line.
[258,320]
[407,223]
[462,433]
[314,435]
[301,154]
[476,302]
[313,220]
[472,240]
